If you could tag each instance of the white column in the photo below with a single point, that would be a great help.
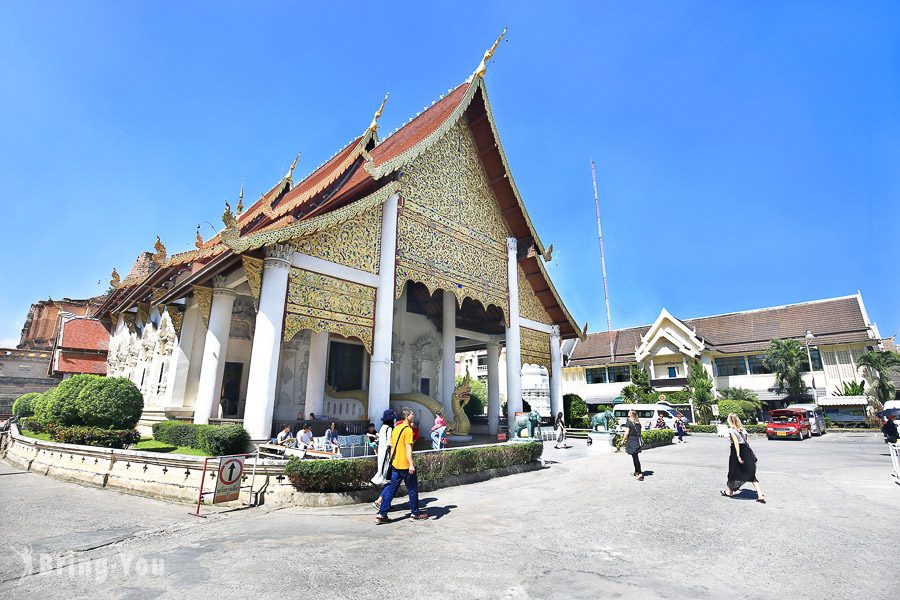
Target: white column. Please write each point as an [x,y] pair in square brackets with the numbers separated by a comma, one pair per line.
[556,401]
[493,387]
[266,349]
[684,366]
[513,336]
[448,356]
[180,361]
[380,370]
[213,367]
[315,373]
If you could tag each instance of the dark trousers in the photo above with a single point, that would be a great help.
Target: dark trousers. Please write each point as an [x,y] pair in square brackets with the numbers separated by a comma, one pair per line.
[637,463]
[399,476]
[680,435]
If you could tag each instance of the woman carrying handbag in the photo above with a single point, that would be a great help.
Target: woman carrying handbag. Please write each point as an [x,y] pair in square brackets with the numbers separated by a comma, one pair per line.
[633,442]
[384,452]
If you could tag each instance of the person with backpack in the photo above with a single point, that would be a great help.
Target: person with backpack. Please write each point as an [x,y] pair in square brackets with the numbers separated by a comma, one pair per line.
[403,470]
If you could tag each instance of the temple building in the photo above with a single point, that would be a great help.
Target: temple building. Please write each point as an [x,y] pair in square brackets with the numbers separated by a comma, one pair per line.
[352,289]
[731,347]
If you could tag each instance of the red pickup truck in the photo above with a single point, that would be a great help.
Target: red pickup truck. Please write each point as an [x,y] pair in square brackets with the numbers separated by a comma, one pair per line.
[788,423]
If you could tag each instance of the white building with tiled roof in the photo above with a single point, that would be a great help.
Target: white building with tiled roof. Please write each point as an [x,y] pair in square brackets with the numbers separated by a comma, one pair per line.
[731,347]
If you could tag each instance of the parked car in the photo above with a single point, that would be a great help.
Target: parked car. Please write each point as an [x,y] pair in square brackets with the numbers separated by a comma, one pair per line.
[816,417]
[788,422]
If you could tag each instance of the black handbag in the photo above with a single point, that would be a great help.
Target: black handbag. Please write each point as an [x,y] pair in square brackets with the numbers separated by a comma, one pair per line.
[390,467]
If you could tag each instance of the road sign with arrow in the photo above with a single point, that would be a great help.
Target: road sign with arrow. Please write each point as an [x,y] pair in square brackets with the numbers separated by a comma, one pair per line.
[228,479]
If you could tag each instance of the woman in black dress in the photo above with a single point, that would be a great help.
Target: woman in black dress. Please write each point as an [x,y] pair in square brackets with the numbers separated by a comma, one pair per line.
[560,426]
[633,442]
[742,461]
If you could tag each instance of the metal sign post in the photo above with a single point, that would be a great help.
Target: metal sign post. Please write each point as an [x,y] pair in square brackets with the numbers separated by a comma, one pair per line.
[228,479]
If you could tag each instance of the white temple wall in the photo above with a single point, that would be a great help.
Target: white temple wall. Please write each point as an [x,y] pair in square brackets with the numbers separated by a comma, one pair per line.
[416,352]
[196,358]
[290,394]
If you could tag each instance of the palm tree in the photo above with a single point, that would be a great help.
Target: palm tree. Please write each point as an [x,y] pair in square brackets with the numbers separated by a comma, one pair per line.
[742,395]
[851,388]
[700,384]
[878,367]
[785,359]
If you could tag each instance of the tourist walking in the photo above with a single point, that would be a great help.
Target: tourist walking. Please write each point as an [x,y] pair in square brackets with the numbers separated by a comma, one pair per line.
[741,460]
[633,442]
[384,447]
[560,427]
[889,429]
[403,470]
[680,429]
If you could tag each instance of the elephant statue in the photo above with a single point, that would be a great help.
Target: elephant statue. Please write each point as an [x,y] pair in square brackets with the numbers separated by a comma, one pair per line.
[607,419]
[530,421]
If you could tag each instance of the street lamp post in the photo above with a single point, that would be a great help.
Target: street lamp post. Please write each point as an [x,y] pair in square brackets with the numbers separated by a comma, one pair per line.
[809,337]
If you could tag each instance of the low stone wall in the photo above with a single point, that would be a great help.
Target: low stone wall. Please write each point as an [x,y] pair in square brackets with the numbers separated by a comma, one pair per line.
[177,477]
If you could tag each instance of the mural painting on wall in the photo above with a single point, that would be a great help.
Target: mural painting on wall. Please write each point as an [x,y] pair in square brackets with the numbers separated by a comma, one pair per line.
[450,234]
[321,303]
[292,372]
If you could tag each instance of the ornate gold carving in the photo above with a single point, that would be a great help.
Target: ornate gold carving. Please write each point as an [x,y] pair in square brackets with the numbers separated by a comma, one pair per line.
[240,204]
[482,68]
[451,234]
[116,280]
[160,254]
[548,254]
[354,243]
[373,127]
[228,217]
[535,347]
[253,268]
[114,319]
[290,174]
[203,298]
[322,303]
[156,294]
[129,322]
[529,305]
[199,242]
[461,396]
[143,312]
[177,318]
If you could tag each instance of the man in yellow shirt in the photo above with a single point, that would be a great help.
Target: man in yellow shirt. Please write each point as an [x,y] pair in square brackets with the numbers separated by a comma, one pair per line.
[403,470]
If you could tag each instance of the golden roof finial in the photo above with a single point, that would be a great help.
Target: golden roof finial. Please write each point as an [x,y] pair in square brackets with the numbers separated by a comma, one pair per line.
[228,217]
[199,242]
[160,250]
[548,254]
[240,204]
[114,282]
[479,72]
[290,172]
[374,126]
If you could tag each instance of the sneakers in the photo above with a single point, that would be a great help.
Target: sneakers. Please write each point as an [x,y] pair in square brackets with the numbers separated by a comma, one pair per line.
[382,519]
[419,516]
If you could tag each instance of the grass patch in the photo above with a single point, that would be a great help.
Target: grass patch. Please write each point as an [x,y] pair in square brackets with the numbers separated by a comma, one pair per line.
[151,445]
[38,436]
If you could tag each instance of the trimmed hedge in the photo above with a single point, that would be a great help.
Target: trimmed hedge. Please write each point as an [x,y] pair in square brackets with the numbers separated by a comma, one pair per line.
[59,405]
[32,424]
[95,436]
[217,440]
[110,403]
[652,438]
[343,475]
[698,428]
[755,428]
[23,406]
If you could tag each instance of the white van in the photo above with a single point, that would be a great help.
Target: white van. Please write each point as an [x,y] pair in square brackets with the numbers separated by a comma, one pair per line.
[816,417]
[647,414]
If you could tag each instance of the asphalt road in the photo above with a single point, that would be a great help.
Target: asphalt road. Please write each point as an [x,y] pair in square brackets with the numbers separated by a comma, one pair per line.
[582,527]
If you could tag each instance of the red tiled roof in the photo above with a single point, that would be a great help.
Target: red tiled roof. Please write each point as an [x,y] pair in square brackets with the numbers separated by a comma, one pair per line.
[595,349]
[75,362]
[84,334]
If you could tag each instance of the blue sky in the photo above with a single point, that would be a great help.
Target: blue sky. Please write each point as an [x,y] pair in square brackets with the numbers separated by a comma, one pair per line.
[747,153]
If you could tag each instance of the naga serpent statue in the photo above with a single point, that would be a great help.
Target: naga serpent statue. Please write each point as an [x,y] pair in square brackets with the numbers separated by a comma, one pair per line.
[461,397]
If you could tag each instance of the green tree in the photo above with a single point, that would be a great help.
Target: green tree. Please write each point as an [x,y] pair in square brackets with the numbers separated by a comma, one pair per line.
[699,383]
[878,367]
[742,395]
[478,400]
[575,411]
[727,407]
[851,388]
[23,406]
[785,358]
[639,391]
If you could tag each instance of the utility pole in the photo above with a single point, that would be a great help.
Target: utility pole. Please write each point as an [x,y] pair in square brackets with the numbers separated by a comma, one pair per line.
[603,265]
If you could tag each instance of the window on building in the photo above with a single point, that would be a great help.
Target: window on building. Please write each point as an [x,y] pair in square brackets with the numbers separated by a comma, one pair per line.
[732,365]
[673,372]
[758,365]
[345,366]
[425,386]
[595,375]
[816,359]
[620,374]
[482,360]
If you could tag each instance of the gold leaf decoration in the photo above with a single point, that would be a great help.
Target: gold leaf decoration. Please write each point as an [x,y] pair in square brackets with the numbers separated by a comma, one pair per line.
[535,347]
[129,322]
[203,298]
[253,268]
[321,303]
[143,312]
[177,318]
[529,305]
[451,234]
[353,243]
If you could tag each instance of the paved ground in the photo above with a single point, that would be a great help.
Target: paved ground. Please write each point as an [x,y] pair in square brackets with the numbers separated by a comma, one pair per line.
[580,528]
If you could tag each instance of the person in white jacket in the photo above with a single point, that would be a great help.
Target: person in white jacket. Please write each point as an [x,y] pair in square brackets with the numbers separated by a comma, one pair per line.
[388,418]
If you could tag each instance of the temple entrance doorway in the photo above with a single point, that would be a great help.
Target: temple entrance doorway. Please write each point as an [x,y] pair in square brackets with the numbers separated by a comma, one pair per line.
[231,390]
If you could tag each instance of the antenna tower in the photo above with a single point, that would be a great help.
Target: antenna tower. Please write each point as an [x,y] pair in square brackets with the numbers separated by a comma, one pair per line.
[603,265]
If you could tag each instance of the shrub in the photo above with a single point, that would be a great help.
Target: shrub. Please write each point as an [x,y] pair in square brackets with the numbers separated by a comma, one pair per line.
[96,436]
[33,424]
[727,407]
[652,438]
[756,428]
[110,403]
[219,440]
[575,410]
[698,428]
[353,474]
[178,433]
[22,407]
[59,405]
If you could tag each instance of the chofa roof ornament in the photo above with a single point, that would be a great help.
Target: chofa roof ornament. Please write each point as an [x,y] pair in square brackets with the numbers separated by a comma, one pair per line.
[289,175]
[228,217]
[482,68]
[374,125]
[160,254]
[240,204]
[114,282]
[199,242]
